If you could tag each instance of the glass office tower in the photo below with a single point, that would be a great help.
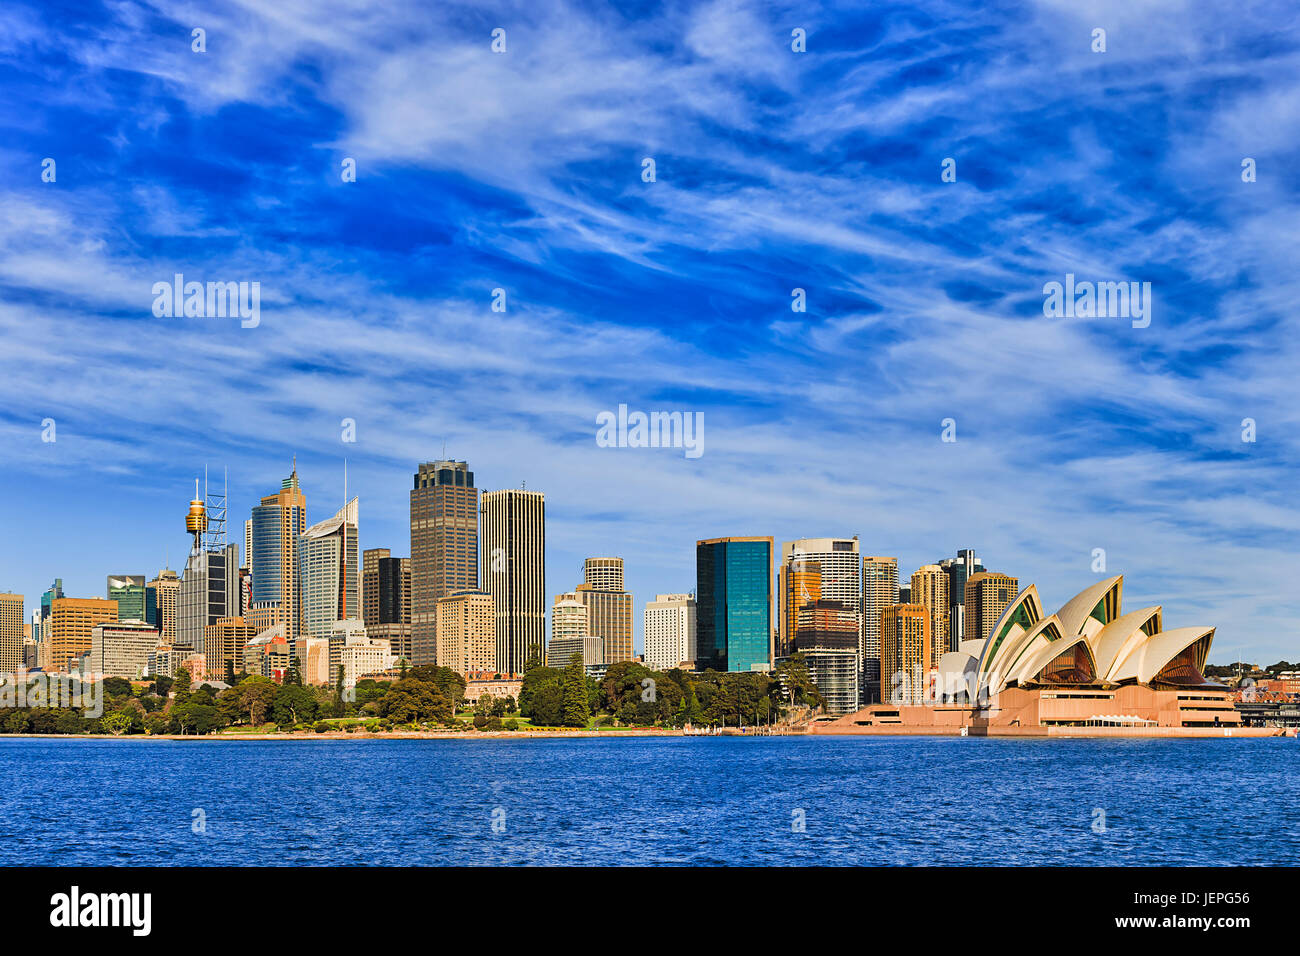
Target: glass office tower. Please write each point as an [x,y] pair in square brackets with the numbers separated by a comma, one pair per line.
[733,622]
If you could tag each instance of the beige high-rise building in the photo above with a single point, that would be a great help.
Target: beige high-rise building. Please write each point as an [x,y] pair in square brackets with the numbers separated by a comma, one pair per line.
[904,653]
[444,547]
[164,590]
[988,594]
[223,646]
[669,631]
[879,591]
[467,632]
[603,574]
[314,659]
[513,526]
[11,633]
[930,588]
[568,616]
[609,607]
[72,621]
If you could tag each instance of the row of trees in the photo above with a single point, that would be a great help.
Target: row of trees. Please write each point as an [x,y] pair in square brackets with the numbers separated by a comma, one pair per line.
[419,697]
[632,694]
[629,694]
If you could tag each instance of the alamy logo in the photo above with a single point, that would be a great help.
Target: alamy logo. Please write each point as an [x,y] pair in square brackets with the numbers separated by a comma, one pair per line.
[74,909]
[215,300]
[1087,300]
[654,430]
[52,690]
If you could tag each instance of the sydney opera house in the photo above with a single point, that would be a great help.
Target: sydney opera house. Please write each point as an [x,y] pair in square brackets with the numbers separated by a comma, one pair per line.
[1089,669]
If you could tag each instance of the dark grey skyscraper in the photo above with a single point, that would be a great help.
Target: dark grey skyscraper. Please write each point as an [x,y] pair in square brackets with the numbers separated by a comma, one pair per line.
[959,572]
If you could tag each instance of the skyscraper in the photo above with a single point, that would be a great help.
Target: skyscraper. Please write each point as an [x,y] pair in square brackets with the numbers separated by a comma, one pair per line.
[987,595]
[733,594]
[277,524]
[959,572]
[160,597]
[55,590]
[603,574]
[799,583]
[328,575]
[904,653]
[609,607]
[386,600]
[72,621]
[826,636]
[128,591]
[11,633]
[814,569]
[370,583]
[514,573]
[879,591]
[444,546]
[223,645]
[669,631]
[930,589]
[208,592]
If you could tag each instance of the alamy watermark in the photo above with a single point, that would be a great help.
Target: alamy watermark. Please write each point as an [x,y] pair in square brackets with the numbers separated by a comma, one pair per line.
[52,690]
[1088,300]
[216,300]
[626,429]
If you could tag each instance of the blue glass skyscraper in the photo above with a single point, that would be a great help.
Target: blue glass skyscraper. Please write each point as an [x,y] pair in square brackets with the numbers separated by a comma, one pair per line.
[733,595]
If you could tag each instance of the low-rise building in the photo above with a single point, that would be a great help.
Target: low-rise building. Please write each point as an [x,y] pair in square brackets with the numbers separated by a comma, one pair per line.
[498,686]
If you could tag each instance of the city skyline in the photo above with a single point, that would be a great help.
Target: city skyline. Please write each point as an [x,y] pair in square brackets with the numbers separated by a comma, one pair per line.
[32,599]
[775,172]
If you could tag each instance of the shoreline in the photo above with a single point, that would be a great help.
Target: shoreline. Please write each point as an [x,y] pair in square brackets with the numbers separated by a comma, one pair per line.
[1074,733]
[387,735]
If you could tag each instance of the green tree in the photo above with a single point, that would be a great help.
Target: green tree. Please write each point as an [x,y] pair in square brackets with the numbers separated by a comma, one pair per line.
[546,705]
[258,694]
[117,687]
[294,704]
[410,701]
[230,705]
[794,685]
[181,684]
[535,678]
[575,708]
[116,723]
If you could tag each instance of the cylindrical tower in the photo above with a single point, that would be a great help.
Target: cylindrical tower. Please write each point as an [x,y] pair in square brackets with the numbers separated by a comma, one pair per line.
[196,521]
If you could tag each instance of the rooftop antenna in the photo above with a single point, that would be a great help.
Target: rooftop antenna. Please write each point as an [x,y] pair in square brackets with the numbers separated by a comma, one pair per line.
[444,449]
[343,556]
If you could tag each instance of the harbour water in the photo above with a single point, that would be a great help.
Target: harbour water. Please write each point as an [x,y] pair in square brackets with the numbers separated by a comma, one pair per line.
[671,800]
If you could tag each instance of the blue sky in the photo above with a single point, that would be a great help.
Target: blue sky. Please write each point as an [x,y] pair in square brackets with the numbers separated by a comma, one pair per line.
[774,170]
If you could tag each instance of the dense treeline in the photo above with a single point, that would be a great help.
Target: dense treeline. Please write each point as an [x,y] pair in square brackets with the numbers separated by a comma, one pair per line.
[420,697]
[631,694]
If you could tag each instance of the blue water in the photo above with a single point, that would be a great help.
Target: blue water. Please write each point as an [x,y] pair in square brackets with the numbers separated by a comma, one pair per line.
[692,801]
